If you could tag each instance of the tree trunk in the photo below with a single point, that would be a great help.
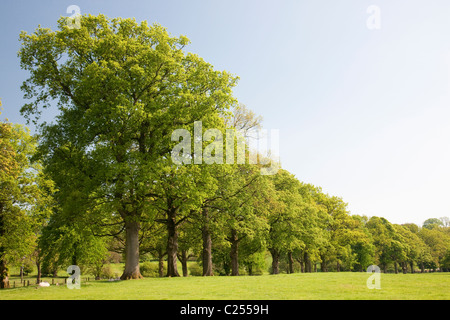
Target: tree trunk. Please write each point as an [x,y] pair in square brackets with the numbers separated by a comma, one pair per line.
[131,251]
[234,253]
[4,283]
[300,261]
[161,264]
[207,244]
[183,260]
[275,261]
[323,264]
[411,265]
[395,267]
[172,245]
[291,262]
[38,266]
[307,262]
[250,269]
[226,266]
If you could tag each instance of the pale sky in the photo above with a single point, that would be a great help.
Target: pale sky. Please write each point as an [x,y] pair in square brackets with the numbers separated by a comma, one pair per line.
[362,113]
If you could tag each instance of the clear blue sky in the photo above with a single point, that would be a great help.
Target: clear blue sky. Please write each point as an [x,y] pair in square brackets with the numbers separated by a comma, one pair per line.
[365,114]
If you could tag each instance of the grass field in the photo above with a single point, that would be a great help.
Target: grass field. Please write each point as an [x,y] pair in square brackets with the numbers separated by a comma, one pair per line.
[298,286]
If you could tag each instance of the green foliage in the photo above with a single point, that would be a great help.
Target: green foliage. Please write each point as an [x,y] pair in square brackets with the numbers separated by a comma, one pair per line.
[25,196]
[195,270]
[107,272]
[432,222]
[255,263]
[150,269]
[136,79]
[28,267]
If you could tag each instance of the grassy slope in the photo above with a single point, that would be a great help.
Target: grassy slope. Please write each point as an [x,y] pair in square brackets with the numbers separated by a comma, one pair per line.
[344,285]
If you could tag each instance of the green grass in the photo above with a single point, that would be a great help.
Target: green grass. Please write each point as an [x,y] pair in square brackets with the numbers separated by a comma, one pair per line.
[299,286]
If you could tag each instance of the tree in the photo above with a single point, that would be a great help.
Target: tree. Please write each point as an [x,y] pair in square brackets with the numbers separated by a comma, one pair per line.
[20,193]
[361,243]
[41,212]
[69,239]
[432,222]
[438,242]
[313,236]
[342,234]
[243,208]
[445,221]
[243,120]
[220,180]
[178,195]
[154,241]
[287,218]
[415,247]
[389,245]
[188,243]
[121,89]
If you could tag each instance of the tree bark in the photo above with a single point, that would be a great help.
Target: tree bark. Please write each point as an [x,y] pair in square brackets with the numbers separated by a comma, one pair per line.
[4,283]
[161,264]
[21,273]
[323,264]
[234,253]
[307,262]
[131,251]
[39,273]
[183,260]
[404,267]
[291,262]
[172,245]
[250,269]
[207,244]
[300,261]
[275,261]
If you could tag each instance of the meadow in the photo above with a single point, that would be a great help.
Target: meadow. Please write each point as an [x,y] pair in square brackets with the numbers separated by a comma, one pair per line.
[297,286]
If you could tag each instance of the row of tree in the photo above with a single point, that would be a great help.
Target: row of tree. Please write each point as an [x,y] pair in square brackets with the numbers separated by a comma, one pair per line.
[225,216]
[101,179]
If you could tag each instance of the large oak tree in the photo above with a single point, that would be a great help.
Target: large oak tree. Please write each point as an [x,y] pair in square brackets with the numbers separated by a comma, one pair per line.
[121,88]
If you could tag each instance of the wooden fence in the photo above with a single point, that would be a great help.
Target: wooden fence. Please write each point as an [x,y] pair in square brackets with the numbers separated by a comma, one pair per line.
[27,283]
